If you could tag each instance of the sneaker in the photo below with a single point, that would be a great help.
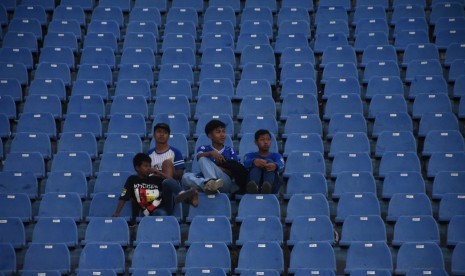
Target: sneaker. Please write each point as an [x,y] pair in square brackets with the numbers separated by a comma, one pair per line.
[191,196]
[252,187]
[266,187]
[213,185]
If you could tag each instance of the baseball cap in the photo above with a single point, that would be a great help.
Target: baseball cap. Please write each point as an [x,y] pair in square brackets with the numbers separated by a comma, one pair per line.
[162,126]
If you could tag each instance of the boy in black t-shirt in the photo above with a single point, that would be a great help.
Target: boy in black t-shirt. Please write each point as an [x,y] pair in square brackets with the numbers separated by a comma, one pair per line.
[149,193]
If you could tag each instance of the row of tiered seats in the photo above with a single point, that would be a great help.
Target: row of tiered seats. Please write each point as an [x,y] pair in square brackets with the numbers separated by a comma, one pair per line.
[365,100]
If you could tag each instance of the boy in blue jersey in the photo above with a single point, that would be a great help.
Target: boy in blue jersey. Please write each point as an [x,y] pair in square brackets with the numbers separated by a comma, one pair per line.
[213,176]
[264,166]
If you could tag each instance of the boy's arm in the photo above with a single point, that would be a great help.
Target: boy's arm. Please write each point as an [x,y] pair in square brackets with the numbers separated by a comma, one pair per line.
[119,207]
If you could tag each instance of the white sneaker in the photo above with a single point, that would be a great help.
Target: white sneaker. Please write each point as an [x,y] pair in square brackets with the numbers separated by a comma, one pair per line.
[213,185]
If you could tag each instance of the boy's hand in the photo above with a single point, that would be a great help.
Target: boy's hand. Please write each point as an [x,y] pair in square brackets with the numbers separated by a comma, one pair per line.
[261,163]
[270,167]
[217,157]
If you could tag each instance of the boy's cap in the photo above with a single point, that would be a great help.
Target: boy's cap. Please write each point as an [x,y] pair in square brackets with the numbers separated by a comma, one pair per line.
[162,126]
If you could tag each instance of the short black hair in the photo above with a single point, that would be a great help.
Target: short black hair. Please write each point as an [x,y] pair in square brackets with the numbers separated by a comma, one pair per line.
[261,132]
[212,125]
[141,158]
[162,126]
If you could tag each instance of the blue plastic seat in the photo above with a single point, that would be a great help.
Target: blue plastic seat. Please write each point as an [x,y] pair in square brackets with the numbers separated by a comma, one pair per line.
[341,86]
[136,71]
[414,204]
[254,105]
[182,14]
[67,205]
[425,255]
[178,123]
[354,182]
[423,67]
[262,253]
[218,56]
[21,40]
[102,13]
[297,55]
[98,56]
[311,229]
[393,122]
[355,142]
[304,162]
[217,71]
[298,70]
[252,123]
[437,121]
[99,40]
[378,53]
[362,229]
[36,12]
[218,27]
[366,25]
[406,37]
[166,88]
[302,123]
[135,87]
[151,9]
[104,26]
[360,204]
[257,205]
[32,142]
[8,106]
[37,123]
[213,104]
[127,123]
[208,255]
[178,40]
[72,181]
[256,13]
[17,55]
[172,55]
[14,71]
[294,26]
[61,40]
[57,55]
[102,256]
[211,205]
[235,4]
[405,24]
[342,54]
[95,73]
[39,104]
[197,5]
[172,105]
[102,205]
[154,256]
[433,271]
[443,141]
[305,183]
[406,182]
[270,4]
[386,103]
[423,52]
[90,88]
[8,256]
[323,40]
[415,229]
[158,230]
[455,230]
[257,54]
[109,182]
[54,230]
[306,205]
[47,257]
[298,104]
[456,69]
[80,123]
[114,230]
[124,5]
[67,11]
[13,232]
[454,52]
[407,11]
[380,69]
[209,229]
[333,26]
[129,105]
[259,71]
[312,255]
[330,13]
[257,88]
[14,182]
[427,84]
[122,143]
[298,86]
[369,38]
[11,87]
[25,162]
[16,205]
[447,9]
[284,41]
[176,71]
[457,255]
[342,103]
[292,13]
[148,25]
[399,161]
[451,205]
[303,142]
[334,70]
[351,162]
[65,161]
[370,11]
[369,255]
[52,87]
[116,162]
[139,40]
[346,123]
[447,182]
[261,229]
[216,13]
[441,161]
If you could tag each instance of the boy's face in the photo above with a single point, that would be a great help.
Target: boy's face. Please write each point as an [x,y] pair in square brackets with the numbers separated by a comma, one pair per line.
[218,135]
[264,142]
[161,136]
[144,169]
